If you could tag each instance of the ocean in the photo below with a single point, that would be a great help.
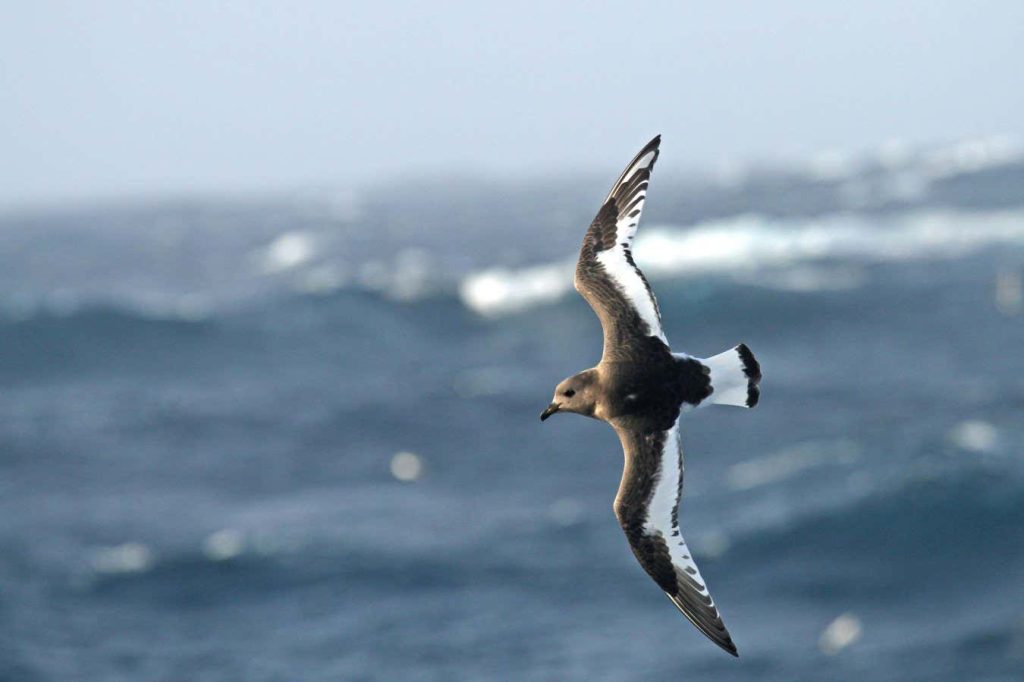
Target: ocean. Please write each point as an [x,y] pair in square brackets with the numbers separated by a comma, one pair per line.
[296,438]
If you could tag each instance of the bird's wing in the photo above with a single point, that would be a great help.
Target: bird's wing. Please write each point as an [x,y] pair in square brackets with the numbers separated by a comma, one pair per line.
[647,506]
[606,275]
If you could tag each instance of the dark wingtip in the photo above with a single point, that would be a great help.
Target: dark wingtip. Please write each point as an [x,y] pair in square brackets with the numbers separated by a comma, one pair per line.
[751,367]
[752,370]
[717,633]
[653,145]
[725,643]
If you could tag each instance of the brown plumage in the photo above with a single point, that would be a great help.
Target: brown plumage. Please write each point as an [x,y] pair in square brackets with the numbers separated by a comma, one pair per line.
[640,387]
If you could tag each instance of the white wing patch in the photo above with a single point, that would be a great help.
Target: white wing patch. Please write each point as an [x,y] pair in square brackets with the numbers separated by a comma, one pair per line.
[628,279]
[614,260]
[661,512]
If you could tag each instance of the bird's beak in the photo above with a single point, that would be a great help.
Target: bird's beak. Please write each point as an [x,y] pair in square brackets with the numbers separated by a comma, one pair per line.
[550,410]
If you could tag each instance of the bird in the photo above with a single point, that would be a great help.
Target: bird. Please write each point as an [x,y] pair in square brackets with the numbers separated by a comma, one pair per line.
[640,387]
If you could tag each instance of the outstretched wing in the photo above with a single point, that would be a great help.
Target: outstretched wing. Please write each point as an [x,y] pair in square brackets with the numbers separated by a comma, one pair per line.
[606,275]
[647,506]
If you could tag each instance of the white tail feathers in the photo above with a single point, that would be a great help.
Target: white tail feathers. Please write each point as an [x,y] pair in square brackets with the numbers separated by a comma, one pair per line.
[734,377]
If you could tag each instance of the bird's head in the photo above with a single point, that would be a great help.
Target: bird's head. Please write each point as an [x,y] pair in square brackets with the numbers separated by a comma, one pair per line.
[575,394]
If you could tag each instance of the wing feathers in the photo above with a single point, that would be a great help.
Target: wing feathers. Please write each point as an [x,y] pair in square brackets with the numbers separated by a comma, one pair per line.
[647,506]
[606,275]
[647,503]
[644,159]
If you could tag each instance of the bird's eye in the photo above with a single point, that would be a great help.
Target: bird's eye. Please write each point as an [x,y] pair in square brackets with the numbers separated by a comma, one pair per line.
[570,393]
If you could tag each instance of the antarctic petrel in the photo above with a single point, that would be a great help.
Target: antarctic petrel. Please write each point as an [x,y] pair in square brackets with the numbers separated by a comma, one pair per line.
[640,387]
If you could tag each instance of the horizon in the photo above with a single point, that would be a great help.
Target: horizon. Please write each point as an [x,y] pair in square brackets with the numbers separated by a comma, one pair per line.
[955,155]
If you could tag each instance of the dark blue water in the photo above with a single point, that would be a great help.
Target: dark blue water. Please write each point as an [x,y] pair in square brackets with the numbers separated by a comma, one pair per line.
[202,408]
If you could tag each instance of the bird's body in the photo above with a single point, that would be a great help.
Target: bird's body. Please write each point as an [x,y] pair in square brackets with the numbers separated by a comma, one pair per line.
[649,395]
[640,388]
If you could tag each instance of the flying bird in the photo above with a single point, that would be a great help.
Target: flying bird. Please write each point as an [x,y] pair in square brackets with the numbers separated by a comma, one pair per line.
[641,387]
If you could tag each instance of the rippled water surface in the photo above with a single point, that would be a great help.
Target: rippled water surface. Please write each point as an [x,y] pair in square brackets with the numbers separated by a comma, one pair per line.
[299,439]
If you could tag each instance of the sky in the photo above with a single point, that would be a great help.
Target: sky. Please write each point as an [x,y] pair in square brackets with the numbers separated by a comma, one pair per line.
[113,99]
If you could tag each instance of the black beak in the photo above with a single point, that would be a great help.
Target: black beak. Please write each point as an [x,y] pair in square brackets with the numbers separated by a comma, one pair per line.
[550,410]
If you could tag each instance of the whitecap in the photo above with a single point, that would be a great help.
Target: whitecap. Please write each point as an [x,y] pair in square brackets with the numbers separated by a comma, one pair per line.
[973,155]
[411,275]
[499,291]
[975,435]
[755,249]
[130,557]
[840,633]
[288,251]
[789,462]
[406,466]
[225,544]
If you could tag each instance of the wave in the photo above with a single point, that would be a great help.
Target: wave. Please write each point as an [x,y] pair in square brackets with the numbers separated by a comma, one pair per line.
[803,254]
[969,518]
[963,157]
[758,249]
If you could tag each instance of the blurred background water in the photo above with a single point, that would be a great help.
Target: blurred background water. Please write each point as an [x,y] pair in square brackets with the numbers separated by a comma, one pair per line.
[254,439]
[293,434]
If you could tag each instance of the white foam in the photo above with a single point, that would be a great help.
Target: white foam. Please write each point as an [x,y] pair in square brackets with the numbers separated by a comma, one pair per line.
[971,156]
[756,248]
[409,275]
[499,291]
[406,466]
[805,278]
[840,633]
[975,435]
[131,557]
[788,463]
[289,250]
[223,545]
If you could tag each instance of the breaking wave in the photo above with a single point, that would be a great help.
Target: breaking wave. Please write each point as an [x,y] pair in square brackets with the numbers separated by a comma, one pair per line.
[762,250]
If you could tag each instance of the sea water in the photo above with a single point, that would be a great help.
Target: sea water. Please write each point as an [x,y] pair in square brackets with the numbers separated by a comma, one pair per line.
[297,438]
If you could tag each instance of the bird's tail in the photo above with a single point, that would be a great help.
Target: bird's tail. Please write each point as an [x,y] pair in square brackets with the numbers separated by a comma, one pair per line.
[734,377]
